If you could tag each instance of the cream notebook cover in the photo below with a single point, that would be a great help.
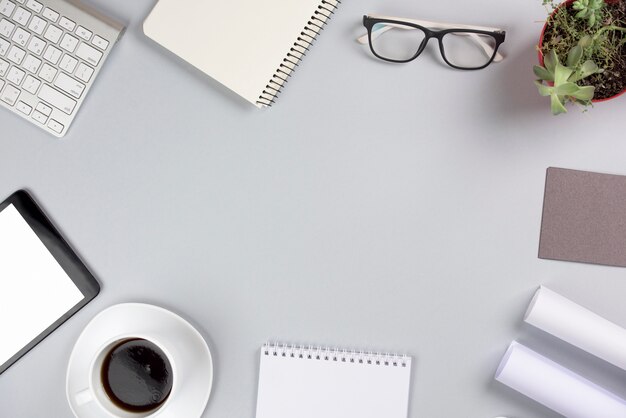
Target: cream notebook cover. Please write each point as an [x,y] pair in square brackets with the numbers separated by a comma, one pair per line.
[250,46]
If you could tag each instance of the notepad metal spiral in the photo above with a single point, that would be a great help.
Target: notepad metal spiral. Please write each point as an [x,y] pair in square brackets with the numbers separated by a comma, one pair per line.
[318,353]
[314,26]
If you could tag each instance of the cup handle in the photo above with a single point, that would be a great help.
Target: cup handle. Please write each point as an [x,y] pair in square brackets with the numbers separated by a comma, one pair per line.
[83,397]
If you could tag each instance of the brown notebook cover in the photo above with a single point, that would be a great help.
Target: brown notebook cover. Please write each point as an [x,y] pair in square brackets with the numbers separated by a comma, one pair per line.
[584,217]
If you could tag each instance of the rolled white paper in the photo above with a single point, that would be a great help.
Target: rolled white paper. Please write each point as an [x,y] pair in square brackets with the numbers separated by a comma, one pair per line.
[556,387]
[578,326]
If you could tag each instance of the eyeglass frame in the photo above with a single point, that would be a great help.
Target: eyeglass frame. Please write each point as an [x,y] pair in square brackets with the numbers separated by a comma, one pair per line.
[499,36]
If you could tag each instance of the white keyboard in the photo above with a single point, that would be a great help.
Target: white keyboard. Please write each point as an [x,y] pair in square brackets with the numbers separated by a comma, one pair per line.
[50,54]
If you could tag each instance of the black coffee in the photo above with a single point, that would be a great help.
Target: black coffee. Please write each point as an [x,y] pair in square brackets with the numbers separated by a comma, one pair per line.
[137,376]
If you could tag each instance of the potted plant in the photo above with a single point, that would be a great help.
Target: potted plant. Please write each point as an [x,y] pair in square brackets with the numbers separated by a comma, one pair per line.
[582,52]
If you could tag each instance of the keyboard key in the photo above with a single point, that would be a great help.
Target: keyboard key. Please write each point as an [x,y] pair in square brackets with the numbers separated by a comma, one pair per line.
[69,85]
[69,42]
[6,7]
[84,33]
[67,24]
[31,84]
[55,126]
[16,76]
[32,64]
[36,45]
[24,108]
[4,47]
[22,16]
[52,54]
[50,14]
[43,108]
[101,43]
[37,25]
[57,99]
[35,6]
[16,55]
[2,82]
[48,72]
[53,34]
[4,66]
[89,54]
[40,117]
[84,72]
[6,28]
[68,64]
[10,94]
[21,37]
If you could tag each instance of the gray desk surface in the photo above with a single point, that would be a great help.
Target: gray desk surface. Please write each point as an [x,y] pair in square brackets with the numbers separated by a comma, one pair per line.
[377,206]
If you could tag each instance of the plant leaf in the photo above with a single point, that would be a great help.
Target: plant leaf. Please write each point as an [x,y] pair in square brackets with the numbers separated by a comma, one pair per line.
[587,69]
[542,73]
[584,94]
[556,105]
[566,89]
[550,61]
[543,89]
[585,41]
[561,74]
[574,56]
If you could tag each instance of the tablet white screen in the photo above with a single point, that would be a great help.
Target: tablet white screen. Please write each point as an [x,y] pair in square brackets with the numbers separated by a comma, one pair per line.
[34,290]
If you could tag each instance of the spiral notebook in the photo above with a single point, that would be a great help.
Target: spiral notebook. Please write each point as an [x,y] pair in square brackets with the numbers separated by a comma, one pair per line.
[308,382]
[250,46]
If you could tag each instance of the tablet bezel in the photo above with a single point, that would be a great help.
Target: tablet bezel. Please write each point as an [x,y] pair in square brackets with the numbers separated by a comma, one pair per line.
[62,253]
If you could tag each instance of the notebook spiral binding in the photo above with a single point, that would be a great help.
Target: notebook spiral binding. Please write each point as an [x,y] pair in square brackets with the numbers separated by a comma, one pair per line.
[317,353]
[307,37]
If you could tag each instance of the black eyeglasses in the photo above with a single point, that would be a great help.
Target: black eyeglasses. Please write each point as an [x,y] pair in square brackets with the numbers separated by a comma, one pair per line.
[462,46]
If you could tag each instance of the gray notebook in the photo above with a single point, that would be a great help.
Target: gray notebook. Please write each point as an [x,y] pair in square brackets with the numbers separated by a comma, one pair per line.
[584,217]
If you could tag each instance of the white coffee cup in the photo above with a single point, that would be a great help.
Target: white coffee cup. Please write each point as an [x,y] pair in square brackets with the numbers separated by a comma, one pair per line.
[95,391]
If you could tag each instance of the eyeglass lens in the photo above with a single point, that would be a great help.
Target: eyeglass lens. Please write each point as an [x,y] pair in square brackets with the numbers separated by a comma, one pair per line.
[468,49]
[396,42]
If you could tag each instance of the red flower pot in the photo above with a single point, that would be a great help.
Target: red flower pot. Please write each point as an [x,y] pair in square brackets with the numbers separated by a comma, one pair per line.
[543,32]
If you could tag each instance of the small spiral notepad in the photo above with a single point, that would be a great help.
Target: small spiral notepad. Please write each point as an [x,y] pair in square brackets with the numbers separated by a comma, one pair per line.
[250,46]
[315,382]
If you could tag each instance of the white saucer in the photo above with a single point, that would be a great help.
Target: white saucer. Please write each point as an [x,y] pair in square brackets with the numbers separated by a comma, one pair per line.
[193,357]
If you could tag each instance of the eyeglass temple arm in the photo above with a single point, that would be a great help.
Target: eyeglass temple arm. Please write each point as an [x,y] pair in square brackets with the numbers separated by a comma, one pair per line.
[486,47]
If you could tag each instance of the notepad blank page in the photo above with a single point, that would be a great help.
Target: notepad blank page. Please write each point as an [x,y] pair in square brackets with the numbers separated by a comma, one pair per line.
[310,388]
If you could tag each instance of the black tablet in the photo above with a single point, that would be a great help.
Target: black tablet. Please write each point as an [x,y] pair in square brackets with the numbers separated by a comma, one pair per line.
[42,281]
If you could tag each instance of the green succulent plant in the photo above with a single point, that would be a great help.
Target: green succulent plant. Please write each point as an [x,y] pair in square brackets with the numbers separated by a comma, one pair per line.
[589,10]
[558,81]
